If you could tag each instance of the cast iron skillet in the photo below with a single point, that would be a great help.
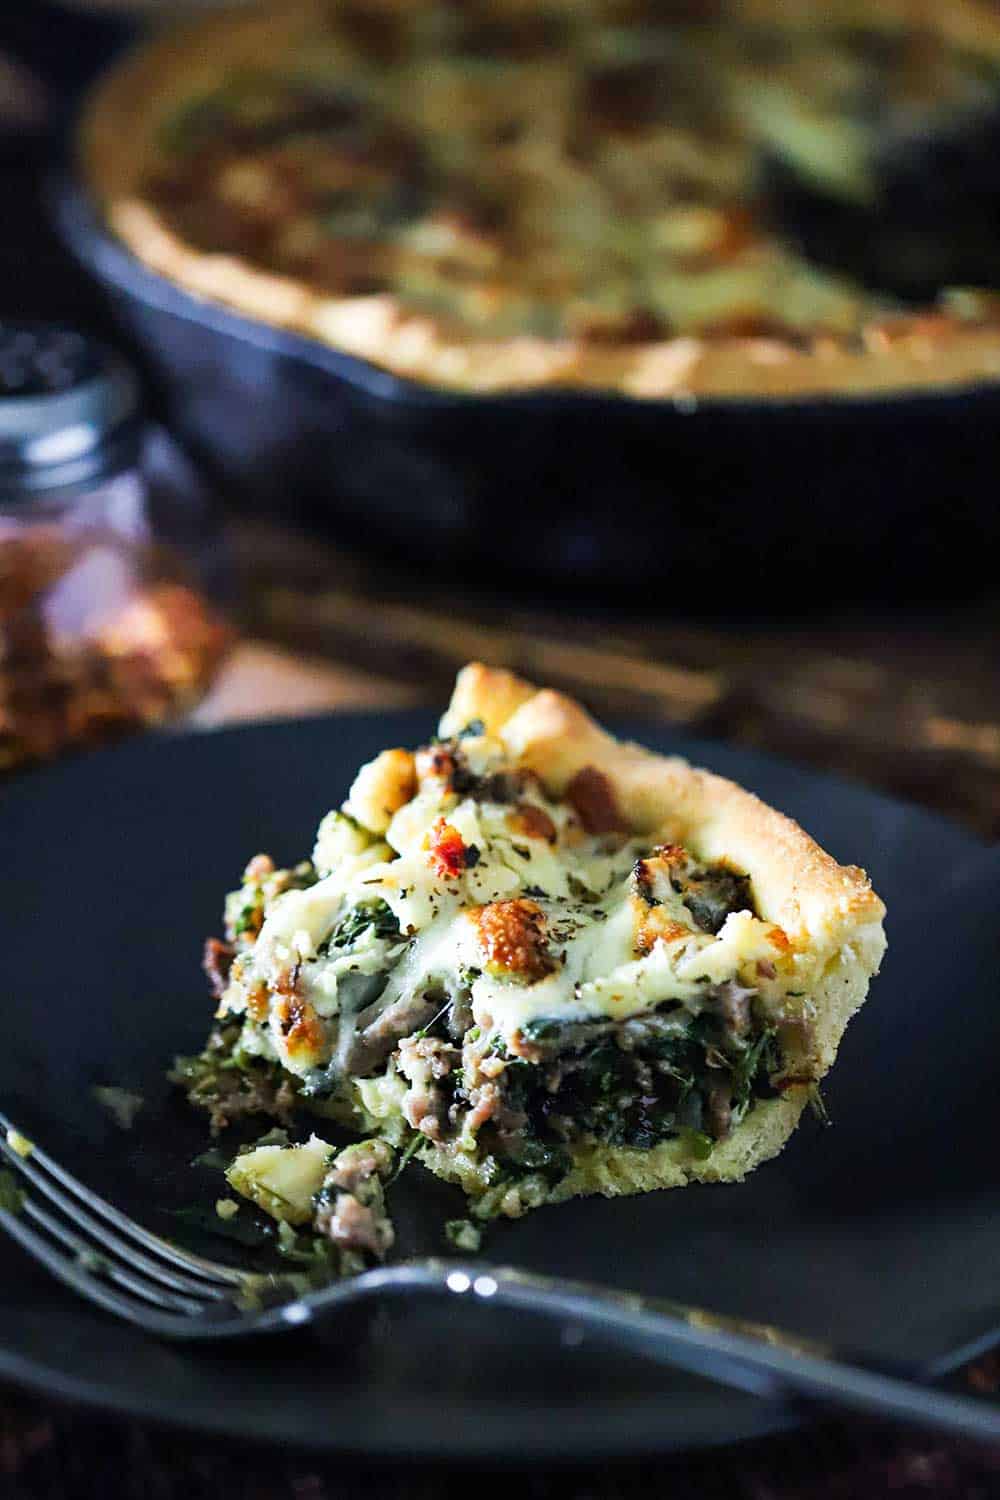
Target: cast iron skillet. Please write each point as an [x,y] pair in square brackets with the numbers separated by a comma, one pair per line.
[728,504]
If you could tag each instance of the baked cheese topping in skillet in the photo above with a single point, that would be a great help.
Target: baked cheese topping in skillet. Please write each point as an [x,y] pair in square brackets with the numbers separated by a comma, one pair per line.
[553,963]
[497,196]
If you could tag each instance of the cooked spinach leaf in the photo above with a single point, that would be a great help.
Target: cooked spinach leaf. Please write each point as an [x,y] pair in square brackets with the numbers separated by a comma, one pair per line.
[714,894]
[11,1195]
[375,914]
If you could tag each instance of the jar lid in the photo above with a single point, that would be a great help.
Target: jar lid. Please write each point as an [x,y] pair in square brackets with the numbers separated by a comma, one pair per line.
[66,404]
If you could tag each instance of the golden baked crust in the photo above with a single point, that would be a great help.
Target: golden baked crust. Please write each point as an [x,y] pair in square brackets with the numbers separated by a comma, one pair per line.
[798,885]
[841,341]
[827,911]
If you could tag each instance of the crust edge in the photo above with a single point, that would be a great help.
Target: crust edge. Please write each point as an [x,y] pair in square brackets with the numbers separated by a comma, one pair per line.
[797,884]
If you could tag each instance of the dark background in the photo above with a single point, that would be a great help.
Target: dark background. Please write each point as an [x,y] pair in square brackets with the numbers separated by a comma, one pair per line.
[58,48]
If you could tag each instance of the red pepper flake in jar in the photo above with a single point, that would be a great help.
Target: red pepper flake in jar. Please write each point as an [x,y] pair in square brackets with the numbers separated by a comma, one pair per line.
[103,628]
[81,664]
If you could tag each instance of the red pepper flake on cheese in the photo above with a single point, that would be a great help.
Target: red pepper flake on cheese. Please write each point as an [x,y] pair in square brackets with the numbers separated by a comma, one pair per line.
[449,853]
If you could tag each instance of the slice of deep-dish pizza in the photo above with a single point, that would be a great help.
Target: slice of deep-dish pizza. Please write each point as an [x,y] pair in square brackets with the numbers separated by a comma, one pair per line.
[553,962]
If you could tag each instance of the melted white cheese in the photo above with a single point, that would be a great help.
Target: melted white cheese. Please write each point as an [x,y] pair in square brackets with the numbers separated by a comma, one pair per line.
[591,920]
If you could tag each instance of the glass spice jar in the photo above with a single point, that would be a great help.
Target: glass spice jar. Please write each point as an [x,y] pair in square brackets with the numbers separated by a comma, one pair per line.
[110,566]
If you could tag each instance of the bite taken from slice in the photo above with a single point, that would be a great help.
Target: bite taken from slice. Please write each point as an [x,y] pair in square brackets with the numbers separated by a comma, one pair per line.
[549,962]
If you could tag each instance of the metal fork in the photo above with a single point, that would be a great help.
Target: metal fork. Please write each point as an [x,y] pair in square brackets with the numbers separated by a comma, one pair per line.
[104,1255]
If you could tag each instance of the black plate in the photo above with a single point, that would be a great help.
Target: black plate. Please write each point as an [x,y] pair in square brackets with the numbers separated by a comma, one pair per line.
[880,1233]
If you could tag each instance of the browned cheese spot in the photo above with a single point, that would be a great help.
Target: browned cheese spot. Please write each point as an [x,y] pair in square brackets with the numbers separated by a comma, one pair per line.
[513,939]
[300,1025]
[656,925]
[258,1001]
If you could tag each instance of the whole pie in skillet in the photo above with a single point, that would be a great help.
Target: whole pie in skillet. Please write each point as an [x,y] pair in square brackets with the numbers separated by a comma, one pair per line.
[510,195]
[549,962]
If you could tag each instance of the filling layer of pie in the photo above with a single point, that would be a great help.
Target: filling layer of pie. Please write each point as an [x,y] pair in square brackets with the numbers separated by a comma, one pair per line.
[468,963]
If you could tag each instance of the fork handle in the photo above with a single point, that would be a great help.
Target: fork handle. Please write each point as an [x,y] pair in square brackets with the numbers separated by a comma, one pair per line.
[782,1369]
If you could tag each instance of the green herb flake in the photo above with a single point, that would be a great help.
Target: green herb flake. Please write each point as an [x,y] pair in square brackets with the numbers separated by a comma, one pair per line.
[411,1150]
[213,1159]
[120,1104]
[11,1196]
[90,1260]
[698,1144]
[276,1136]
[463,1235]
[315,1252]
[818,1105]
[19,1143]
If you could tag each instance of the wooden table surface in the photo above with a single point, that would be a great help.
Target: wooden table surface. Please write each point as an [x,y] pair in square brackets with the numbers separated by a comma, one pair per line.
[907,701]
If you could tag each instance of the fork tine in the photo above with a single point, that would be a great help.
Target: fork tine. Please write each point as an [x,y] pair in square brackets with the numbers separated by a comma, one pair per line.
[107,1239]
[87,1285]
[150,1291]
[182,1259]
